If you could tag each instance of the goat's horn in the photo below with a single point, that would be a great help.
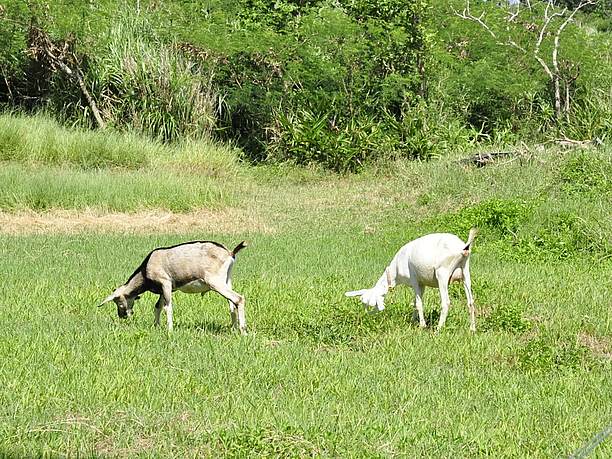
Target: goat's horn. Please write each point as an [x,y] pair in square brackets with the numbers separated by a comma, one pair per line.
[108,299]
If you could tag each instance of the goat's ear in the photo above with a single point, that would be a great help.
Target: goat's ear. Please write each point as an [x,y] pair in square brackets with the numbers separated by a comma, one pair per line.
[355,293]
[108,299]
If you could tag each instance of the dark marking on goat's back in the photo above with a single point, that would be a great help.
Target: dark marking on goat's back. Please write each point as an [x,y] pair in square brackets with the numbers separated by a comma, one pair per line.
[191,242]
[142,268]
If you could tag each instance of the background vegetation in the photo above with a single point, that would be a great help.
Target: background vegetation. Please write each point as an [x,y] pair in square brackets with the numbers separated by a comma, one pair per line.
[189,90]
[340,84]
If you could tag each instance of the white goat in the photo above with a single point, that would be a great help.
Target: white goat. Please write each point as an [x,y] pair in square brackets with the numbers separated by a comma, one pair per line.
[191,267]
[434,260]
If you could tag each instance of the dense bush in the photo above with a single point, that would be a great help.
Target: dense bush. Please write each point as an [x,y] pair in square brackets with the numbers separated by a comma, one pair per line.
[332,85]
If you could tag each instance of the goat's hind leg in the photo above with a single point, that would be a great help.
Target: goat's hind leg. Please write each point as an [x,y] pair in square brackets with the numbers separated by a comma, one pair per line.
[233,307]
[467,286]
[443,278]
[223,289]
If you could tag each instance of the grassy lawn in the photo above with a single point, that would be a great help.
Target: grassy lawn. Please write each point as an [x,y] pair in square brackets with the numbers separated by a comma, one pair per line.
[316,375]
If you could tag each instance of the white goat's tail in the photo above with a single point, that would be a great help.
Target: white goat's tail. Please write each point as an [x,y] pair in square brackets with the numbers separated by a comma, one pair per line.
[471,237]
[370,297]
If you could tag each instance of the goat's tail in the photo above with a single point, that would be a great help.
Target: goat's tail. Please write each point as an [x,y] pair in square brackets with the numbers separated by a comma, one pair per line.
[471,237]
[238,248]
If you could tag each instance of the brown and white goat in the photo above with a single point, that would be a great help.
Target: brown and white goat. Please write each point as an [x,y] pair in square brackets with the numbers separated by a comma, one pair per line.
[191,267]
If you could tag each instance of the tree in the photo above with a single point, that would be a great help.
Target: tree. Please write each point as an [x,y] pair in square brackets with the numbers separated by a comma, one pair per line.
[553,21]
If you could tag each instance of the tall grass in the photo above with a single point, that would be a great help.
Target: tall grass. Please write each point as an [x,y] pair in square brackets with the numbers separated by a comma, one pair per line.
[40,139]
[43,188]
[47,166]
[146,84]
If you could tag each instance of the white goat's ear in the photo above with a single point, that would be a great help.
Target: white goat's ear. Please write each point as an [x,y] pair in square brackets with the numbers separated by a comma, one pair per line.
[108,299]
[355,293]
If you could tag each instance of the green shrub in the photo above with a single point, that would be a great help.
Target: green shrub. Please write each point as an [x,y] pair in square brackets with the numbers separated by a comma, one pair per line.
[561,236]
[551,350]
[495,218]
[312,139]
[332,85]
[527,230]
[585,172]
[508,317]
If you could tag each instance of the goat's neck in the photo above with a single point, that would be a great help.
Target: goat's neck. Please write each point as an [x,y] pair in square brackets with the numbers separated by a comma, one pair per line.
[387,280]
[135,286]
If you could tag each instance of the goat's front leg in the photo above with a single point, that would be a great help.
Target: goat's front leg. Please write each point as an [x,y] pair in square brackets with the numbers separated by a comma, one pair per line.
[419,291]
[167,296]
[158,307]
[443,279]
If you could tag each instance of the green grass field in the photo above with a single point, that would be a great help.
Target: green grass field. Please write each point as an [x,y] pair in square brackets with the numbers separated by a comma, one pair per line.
[317,375]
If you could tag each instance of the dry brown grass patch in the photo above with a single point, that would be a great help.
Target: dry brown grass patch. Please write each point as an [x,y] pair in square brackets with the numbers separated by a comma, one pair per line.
[230,221]
[599,346]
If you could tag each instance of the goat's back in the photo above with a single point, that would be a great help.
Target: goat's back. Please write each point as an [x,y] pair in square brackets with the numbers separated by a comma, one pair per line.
[186,262]
[423,256]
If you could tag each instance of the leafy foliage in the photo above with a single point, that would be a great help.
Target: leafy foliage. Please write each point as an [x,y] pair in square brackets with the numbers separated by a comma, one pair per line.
[584,172]
[495,218]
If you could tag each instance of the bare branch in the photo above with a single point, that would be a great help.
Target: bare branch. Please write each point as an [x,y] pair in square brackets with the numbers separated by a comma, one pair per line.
[512,15]
[560,30]
[466,14]
[511,42]
[555,54]
[536,52]
[44,50]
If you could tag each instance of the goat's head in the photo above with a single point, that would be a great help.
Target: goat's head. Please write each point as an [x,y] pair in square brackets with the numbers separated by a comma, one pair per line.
[373,299]
[125,303]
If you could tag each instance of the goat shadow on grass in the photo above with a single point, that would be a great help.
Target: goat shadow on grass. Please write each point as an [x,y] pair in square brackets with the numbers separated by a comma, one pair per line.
[432,316]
